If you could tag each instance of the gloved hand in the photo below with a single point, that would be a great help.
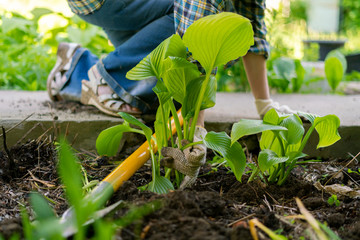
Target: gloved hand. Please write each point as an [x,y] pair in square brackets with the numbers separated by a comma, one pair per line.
[189,161]
[264,105]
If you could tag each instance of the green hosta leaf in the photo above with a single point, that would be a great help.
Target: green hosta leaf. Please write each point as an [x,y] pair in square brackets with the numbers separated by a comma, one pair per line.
[334,71]
[268,140]
[162,92]
[295,130]
[160,185]
[210,94]
[188,106]
[248,127]
[296,154]
[340,56]
[192,93]
[108,141]
[159,125]
[335,68]
[268,158]
[280,83]
[132,120]
[160,133]
[300,76]
[152,65]
[327,128]
[49,229]
[232,153]
[292,148]
[179,72]
[271,117]
[284,67]
[41,207]
[217,39]
[309,116]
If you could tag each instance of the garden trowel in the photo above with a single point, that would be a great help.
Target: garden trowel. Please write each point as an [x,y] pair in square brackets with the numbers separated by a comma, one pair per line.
[111,183]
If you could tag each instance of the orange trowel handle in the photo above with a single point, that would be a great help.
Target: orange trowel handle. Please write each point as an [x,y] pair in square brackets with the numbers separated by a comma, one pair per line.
[137,159]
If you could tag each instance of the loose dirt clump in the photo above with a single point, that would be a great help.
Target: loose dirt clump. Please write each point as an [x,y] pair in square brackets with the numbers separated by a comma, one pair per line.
[72,107]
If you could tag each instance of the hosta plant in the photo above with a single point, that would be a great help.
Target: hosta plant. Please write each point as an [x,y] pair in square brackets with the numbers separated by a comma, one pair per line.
[335,68]
[212,41]
[283,139]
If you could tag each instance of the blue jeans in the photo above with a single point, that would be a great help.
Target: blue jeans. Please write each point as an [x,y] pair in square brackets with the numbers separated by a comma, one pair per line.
[135,28]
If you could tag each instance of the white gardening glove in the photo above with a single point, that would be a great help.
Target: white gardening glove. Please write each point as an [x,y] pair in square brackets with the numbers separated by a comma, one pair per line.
[264,105]
[189,161]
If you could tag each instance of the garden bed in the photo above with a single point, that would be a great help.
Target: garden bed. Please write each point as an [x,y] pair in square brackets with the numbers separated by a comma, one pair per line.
[217,207]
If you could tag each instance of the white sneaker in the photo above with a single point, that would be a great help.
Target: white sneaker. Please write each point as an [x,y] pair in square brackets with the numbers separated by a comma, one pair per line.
[264,105]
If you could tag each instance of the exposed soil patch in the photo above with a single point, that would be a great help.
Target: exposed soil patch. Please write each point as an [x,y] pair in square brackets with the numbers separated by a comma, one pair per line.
[72,107]
[77,107]
[217,207]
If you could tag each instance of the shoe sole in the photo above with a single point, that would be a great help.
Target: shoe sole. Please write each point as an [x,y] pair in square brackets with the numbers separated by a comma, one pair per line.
[67,50]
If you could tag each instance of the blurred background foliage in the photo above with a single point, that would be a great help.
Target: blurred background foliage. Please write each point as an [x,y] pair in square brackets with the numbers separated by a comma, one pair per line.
[28,44]
[30,32]
[287,68]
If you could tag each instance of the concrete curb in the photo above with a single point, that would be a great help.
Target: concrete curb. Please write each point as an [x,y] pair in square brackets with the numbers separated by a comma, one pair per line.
[84,127]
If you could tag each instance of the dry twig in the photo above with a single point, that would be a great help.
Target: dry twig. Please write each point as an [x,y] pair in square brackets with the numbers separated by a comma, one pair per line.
[241,219]
[11,159]
[46,183]
[17,124]
[353,159]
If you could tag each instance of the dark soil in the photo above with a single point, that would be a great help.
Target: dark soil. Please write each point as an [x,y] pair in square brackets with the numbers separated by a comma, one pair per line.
[72,106]
[216,207]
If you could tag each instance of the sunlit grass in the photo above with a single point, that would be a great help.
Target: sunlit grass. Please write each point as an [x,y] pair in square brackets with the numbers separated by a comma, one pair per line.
[51,21]
[24,7]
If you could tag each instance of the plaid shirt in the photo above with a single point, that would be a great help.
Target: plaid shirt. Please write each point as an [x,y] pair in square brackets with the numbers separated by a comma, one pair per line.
[85,7]
[187,11]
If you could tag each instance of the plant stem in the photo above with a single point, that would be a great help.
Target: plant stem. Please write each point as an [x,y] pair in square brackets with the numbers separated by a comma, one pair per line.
[306,138]
[293,162]
[167,174]
[283,178]
[165,124]
[186,129]
[274,174]
[282,170]
[177,122]
[198,106]
[272,141]
[171,136]
[177,178]
[134,130]
[153,162]
[191,144]
[282,149]
[254,174]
